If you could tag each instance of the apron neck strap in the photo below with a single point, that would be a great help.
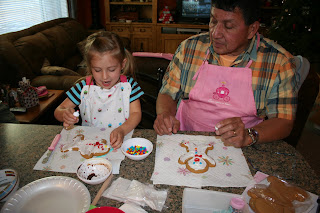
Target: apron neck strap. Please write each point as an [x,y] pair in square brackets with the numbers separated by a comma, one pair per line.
[89,80]
[249,64]
[123,78]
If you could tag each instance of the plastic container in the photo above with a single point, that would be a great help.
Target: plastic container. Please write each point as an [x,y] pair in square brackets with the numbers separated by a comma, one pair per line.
[236,205]
[207,201]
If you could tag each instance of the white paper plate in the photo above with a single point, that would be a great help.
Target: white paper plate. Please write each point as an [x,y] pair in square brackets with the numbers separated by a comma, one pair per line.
[50,195]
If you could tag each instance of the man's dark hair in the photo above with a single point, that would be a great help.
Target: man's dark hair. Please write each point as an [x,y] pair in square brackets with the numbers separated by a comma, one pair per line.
[249,8]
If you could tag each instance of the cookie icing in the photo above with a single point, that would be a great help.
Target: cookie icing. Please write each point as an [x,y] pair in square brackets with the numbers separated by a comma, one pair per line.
[87,148]
[196,158]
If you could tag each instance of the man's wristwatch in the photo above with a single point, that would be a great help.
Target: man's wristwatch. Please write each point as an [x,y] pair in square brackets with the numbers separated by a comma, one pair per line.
[254,135]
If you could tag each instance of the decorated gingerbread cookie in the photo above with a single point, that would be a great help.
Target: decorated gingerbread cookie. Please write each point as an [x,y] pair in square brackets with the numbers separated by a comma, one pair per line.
[196,158]
[279,196]
[87,148]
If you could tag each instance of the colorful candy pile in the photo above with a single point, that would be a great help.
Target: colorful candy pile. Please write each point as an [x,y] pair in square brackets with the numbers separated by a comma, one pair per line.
[137,150]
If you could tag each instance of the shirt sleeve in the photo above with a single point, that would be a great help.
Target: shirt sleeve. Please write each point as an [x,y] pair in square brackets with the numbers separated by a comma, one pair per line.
[136,91]
[74,92]
[283,101]
[171,83]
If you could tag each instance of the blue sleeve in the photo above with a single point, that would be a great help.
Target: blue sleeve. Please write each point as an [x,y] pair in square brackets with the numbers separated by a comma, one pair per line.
[136,91]
[74,92]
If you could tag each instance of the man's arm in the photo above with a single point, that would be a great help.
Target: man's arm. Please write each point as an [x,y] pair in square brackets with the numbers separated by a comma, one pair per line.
[166,123]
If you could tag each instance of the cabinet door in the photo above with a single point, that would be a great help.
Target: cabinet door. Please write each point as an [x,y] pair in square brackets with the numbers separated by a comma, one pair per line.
[142,38]
[142,43]
[171,42]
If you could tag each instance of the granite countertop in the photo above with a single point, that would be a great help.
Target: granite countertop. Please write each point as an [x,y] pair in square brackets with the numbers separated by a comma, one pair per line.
[22,145]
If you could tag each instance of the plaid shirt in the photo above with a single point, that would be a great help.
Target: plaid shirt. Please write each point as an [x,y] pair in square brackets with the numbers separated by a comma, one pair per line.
[274,79]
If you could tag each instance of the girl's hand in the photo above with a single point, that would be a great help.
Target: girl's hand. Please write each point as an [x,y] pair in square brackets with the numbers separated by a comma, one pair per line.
[116,138]
[68,117]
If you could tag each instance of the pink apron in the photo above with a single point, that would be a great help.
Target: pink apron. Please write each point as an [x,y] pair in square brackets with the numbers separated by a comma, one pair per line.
[219,93]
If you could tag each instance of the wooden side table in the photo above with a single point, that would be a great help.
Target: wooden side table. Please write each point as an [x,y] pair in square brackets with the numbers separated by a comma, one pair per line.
[33,114]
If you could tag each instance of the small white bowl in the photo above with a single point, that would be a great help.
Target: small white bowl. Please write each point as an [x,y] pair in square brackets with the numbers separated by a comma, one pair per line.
[94,170]
[137,142]
[9,181]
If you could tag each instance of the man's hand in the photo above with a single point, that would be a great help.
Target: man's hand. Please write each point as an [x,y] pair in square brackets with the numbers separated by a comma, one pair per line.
[166,124]
[233,132]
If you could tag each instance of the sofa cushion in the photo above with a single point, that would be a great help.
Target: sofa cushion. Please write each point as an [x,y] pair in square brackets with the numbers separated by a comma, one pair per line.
[72,62]
[75,30]
[81,46]
[47,69]
[55,82]
[34,49]
[55,70]
[63,44]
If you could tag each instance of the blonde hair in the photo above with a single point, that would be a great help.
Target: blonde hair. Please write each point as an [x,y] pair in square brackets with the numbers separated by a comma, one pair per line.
[105,41]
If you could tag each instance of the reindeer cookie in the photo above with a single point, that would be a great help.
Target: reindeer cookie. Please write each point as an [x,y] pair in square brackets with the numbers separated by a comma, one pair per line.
[196,158]
[87,148]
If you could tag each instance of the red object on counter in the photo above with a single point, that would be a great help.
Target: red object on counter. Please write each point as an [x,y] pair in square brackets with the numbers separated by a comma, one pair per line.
[104,209]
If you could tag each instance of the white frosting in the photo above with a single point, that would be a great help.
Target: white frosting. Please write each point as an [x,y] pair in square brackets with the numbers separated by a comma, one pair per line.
[86,147]
[196,157]
[197,165]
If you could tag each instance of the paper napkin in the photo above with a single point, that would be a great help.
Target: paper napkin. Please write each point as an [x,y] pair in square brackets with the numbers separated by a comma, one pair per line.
[69,162]
[231,168]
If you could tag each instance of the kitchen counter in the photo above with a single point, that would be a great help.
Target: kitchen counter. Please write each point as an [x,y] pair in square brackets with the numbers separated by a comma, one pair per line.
[22,145]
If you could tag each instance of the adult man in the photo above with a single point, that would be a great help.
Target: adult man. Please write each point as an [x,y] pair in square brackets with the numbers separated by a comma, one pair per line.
[230,80]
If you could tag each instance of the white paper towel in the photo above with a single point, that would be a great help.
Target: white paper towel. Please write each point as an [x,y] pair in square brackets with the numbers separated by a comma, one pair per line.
[231,168]
[68,162]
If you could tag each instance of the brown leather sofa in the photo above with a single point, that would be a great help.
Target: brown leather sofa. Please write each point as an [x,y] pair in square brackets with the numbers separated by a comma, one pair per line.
[48,54]
[24,53]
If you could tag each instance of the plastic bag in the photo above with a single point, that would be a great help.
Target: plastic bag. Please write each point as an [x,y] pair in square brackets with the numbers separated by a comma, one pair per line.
[127,191]
[278,196]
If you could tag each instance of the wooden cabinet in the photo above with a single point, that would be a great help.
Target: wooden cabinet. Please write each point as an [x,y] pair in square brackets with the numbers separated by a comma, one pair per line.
[135,20]
[170,36]
[140,35]
[138,21]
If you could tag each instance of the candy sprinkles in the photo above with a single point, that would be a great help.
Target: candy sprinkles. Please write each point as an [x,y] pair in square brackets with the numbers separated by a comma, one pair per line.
[137,150]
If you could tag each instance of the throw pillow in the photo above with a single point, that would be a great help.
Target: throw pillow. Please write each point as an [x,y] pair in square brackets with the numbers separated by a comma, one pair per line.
[56,70]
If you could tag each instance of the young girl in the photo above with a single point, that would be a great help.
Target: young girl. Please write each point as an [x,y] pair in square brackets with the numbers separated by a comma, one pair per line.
[107,98]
